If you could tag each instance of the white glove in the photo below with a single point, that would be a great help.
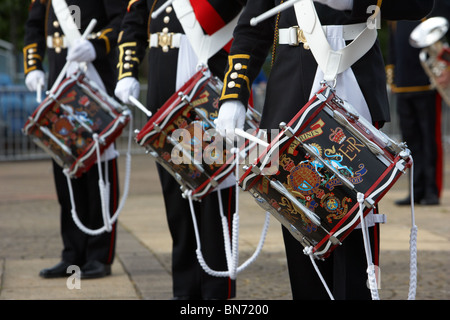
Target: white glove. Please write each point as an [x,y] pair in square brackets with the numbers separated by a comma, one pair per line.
[231,116]
[34,79]
[127,87]
[81,51]
[338,4]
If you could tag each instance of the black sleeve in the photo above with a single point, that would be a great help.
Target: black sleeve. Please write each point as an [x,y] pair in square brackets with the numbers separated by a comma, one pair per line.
[34,41]
[248,52]
[133,39]
[107,37]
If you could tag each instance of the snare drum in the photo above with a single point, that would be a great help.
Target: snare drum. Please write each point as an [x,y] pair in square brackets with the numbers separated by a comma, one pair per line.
[69,120]
[181,136]
[325,157]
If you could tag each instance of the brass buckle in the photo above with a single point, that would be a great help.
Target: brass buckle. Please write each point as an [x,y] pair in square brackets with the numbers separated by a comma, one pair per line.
[301,38]
[57,42]
[165,40]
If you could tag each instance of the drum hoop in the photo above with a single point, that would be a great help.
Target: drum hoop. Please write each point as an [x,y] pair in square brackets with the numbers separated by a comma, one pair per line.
[48,103]
[109,132]
[166,109]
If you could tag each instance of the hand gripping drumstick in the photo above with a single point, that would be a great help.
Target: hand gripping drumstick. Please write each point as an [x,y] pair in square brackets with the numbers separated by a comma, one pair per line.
[62,74]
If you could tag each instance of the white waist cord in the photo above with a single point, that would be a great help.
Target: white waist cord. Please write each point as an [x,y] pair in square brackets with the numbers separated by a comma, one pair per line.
[104,191]
[412,243]
[231,249]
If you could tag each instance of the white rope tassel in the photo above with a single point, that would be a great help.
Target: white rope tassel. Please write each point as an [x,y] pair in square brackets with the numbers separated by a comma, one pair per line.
[370,266]
[231,245]
[412,244]
[309,252]
[104,191]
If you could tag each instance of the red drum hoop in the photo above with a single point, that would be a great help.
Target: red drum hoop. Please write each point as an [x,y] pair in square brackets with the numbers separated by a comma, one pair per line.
[191,111]
[326,156]
[66,123]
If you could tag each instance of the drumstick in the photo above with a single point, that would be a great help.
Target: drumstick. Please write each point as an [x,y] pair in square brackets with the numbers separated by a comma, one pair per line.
[250,137]
[62,74]
[158,11]
[138,104]
[39,92]
[272,12]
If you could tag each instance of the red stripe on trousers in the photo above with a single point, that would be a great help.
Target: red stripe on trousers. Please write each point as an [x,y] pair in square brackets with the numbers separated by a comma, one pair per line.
[229,231]
[114,188]
[438,138]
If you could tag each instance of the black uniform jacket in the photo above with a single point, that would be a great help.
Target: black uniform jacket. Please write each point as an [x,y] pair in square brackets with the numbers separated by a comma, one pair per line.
[404,63]
[42,22]
[136,29]
[294,68]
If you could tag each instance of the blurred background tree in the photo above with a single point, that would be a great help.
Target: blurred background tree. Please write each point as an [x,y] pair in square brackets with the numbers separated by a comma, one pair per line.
[13,14]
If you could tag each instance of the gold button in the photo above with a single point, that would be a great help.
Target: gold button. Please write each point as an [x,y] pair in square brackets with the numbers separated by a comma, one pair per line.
[56,34]
[165,49]
[231,84]
[58,49]
[56,24]
[234,75]
[169,9]
[238,66]
[166,19]
[165,30]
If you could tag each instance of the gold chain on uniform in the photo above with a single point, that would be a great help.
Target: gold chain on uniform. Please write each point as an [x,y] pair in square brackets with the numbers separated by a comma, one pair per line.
[275,37]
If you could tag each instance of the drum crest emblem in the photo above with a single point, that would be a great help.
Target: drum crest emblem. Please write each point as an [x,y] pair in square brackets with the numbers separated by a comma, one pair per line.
[304,179]
[337,208]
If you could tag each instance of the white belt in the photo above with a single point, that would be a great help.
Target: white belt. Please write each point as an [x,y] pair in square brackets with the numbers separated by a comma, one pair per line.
[293,36]
[165,40]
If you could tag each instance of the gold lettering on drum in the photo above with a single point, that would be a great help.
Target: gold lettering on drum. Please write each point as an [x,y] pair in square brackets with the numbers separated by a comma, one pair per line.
[350,148]
[316,130]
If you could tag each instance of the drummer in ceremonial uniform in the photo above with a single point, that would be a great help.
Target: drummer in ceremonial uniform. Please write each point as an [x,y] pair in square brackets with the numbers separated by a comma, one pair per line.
[44,34]
[419,107]
[171,62]
[293,79]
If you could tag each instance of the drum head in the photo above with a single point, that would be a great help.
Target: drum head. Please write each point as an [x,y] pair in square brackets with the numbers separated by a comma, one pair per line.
[428,32]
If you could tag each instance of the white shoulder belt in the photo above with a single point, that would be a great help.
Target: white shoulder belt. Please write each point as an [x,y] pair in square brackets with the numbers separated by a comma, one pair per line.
[331,62]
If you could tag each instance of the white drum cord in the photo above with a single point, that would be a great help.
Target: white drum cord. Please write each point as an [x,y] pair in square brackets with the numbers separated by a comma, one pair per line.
[371,268]
[231,246]
[108,220]
[412,242]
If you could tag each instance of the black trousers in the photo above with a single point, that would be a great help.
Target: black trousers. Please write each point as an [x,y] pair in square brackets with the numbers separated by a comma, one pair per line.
[344,270]
[420,125]
[80,247]
[189,278]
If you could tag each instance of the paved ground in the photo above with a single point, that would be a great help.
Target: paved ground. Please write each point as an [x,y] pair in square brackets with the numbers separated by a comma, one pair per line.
[30,241]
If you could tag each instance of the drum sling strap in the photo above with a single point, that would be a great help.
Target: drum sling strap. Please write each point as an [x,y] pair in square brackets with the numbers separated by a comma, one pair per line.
[72,34]
[205,46]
